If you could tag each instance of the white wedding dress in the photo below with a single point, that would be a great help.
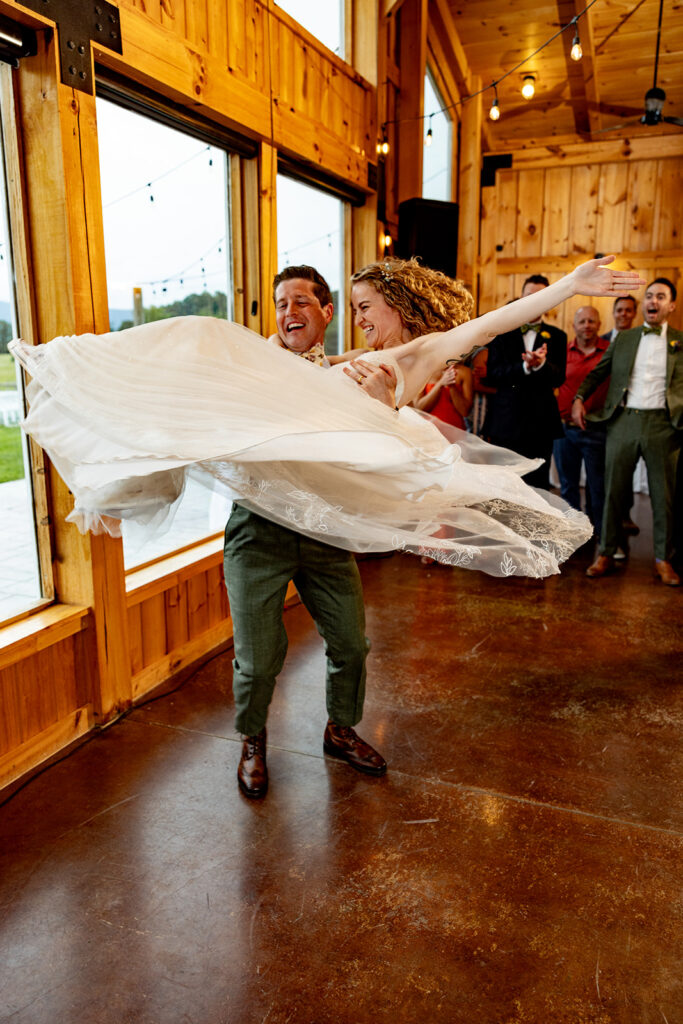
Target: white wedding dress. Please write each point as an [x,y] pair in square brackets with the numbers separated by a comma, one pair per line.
[126,416]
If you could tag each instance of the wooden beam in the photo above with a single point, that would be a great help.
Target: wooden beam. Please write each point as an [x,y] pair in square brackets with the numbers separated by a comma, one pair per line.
[651,147]
[443,28]
[575,75]
[413,64]
[588,68]
[470,185]
[565,264]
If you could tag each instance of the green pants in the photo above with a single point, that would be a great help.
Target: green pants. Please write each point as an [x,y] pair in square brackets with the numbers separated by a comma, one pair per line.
[260,558]
[636,432]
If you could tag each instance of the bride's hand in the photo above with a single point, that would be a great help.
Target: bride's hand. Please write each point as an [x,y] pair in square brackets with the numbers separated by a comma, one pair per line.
[596,278]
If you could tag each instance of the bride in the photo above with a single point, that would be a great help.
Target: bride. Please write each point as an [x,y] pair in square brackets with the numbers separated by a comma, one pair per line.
[126,416]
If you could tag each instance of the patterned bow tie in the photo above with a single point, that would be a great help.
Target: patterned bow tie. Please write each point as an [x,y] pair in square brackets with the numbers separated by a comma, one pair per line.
[648,329]
[316,354]
[530,327]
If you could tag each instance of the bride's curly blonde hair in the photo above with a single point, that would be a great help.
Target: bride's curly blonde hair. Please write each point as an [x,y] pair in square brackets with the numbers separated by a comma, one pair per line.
[426,300]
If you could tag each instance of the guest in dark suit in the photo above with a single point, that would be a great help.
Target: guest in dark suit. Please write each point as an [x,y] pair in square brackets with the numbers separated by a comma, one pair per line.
[525,366]
[644,416]
[624,312]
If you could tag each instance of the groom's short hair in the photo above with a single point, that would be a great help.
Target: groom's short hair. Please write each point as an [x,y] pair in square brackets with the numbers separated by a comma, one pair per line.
[670,285]
[321,289]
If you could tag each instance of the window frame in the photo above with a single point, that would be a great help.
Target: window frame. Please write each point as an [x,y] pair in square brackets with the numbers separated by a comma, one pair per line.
[22,297]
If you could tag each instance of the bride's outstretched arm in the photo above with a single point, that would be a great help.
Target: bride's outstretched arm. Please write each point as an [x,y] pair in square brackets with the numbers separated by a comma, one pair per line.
[431,352]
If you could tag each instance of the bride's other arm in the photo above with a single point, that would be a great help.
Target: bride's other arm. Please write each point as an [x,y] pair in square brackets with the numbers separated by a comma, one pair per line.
[591,278]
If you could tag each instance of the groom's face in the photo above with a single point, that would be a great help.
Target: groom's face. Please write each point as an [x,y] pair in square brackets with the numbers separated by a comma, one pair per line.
[301,320]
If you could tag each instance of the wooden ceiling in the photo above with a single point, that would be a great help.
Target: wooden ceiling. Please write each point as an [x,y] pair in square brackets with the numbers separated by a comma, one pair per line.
[601,97]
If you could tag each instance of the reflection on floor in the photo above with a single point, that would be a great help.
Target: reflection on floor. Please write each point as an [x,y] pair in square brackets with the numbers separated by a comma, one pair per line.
[520,862]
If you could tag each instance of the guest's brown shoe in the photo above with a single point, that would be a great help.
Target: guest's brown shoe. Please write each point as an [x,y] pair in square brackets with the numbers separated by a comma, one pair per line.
[666,573]
[628,526]
[602,565]
[252,771]
[342,741]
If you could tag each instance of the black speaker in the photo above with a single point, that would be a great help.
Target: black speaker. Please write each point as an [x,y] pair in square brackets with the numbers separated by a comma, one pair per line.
[428,228]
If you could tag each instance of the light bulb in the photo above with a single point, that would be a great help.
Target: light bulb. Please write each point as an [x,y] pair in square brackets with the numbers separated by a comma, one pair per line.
[528,87]
[385,147]
[428,140]
[387,241]
[494,112]
[576,53]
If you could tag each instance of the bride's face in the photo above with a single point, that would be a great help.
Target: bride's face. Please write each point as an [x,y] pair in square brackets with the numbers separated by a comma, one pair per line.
[382,325]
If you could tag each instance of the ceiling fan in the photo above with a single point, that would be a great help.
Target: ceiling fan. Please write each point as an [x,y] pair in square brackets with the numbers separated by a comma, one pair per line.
[655,97]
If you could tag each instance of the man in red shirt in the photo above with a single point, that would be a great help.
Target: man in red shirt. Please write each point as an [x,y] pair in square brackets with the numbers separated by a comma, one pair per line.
[582,446]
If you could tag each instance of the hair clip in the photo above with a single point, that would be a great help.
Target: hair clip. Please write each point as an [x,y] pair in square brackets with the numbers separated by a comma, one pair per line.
[386,272]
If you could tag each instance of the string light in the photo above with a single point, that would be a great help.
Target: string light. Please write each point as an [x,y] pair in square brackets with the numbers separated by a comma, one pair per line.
[576,53]
[383,145]
[428,139]
[494,112]
[387,240]
[528,86]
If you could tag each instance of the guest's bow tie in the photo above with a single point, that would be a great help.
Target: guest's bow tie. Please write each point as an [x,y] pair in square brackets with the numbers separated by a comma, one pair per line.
[656,329]
[530,327]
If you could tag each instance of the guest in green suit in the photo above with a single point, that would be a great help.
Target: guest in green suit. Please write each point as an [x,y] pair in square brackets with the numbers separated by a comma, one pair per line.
[644,416]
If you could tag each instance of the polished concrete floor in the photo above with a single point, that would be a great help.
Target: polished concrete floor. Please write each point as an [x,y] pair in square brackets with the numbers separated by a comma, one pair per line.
[520,863]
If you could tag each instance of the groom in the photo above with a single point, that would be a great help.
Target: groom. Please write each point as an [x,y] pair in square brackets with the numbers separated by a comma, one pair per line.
[261,557]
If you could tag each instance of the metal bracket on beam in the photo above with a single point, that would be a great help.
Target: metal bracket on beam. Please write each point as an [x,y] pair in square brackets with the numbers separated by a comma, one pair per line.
[80,23]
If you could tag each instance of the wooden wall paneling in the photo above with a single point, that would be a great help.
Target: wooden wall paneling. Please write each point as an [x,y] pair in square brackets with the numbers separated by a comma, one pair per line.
[642,189]
[506,192]
[153,621]
[26,756]
[215,590]
[170,14]
[487,250]
[667,230]
[177,622]
[530,212]
[217,30]
[583,209]
[555,232]
[237,31]
[137,659]
[197,607]
[197,22]
[612,195]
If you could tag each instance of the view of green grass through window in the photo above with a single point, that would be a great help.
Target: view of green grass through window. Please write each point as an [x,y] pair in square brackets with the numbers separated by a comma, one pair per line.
[165,203]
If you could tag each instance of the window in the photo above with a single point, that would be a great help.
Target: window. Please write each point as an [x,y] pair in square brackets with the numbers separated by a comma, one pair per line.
[325,20]
[436,165]
[21,587]
[166,214]
[310,230]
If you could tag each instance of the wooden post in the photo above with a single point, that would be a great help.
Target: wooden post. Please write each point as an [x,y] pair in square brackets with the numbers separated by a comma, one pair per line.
[64,211]
[268,234]
[470,176]
[410,129]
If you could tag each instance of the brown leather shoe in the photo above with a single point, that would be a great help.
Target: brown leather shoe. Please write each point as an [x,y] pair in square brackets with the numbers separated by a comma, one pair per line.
[342,741]
[602,566]
[628,526]
[666,573]
[252,771]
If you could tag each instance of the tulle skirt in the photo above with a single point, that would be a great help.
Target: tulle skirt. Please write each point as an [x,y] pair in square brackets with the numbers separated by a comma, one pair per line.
[125,417]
